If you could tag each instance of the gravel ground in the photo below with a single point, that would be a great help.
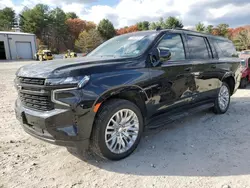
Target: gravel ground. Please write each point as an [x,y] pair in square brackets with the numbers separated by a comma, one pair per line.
[204,150]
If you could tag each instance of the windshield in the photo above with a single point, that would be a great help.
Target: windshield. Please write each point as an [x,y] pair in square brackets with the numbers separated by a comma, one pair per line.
[125,45]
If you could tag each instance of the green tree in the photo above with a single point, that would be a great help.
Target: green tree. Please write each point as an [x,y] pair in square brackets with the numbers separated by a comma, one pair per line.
[35,20]
[200,27]
[7,19]
[142,26]
[172,22]
[58,28]
[71,15]
[223,29]
[106,29]
[209,29]
[153,26]
[242,41]
[88,41]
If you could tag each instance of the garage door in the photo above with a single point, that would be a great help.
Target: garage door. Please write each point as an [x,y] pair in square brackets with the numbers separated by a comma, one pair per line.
[24,50]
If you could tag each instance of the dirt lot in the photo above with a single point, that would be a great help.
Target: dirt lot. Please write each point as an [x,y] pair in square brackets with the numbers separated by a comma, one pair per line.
[203,150]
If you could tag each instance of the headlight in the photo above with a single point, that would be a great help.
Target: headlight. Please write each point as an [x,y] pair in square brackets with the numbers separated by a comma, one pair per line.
[78,81]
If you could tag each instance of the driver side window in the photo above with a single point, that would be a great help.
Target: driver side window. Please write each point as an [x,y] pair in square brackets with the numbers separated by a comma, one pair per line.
[173,42]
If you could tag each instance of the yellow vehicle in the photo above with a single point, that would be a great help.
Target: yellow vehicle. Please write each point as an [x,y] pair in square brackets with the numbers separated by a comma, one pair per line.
[43,55]
[70,54]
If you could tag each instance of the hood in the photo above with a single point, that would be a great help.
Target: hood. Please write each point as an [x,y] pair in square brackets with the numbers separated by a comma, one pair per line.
[72,67]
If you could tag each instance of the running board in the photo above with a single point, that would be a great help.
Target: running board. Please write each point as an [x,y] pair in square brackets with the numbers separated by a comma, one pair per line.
[164,119]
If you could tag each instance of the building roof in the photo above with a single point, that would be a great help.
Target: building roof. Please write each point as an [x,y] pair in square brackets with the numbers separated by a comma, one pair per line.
[14,33]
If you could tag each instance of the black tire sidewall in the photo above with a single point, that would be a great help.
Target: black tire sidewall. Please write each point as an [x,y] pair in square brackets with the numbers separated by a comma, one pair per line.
[218,110]
[102,145]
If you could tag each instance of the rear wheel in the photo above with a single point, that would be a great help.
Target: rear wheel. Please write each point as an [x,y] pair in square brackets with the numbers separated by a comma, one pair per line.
[222,100]
[117,129]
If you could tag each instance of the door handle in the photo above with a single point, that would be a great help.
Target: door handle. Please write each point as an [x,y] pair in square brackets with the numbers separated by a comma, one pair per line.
[213,66]
[188,69]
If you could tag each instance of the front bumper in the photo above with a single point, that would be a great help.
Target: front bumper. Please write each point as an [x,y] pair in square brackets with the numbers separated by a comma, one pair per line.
[59,126]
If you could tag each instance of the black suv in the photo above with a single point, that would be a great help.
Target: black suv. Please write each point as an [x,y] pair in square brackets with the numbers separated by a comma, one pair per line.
[104,100]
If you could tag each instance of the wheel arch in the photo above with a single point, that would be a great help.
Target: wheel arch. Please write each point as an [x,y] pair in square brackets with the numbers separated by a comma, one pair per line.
[134,94]
[230,80]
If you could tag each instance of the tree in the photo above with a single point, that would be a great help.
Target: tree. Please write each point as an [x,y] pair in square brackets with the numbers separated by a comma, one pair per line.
[243,40]
[58,28]
[153,26]
[172,22]
[124,30]
[200,27]
[88,41]
[75,26]
[106,29]
[209,29]
[7,19]
[35,20]
[90,25]
[71,15]
[142,26]
[223,29]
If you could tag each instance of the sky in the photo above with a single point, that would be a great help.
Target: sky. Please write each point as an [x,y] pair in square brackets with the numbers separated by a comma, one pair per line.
[128,12]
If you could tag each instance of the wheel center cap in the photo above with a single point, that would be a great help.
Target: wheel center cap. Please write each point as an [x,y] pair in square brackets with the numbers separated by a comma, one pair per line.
[120,129]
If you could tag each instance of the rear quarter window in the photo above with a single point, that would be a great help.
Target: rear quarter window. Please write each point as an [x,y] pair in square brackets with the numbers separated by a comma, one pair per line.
[224,48]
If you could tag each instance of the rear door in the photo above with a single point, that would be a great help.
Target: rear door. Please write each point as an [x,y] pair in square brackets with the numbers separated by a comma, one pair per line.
[204,67]
[172,79]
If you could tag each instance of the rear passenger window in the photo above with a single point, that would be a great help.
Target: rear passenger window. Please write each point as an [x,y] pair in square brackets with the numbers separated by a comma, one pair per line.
[197,47]
[224,48]
[174,43]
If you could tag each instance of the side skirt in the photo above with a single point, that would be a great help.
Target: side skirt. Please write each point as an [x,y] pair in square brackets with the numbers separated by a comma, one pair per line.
[169,117]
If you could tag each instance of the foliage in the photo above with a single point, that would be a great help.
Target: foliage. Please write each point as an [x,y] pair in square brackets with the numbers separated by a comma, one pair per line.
[223,29]
[200,27]
[7,19]
[170,23]
[124,30]
[106,29]
[209,29]
[242,40]
[142,26]
[71,15]
[88,41]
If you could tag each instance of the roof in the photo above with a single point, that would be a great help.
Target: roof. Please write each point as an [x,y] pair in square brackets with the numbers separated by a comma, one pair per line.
[15,33]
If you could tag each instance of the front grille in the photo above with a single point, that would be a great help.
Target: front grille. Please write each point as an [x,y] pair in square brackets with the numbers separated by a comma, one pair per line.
[33,81]
[38,102]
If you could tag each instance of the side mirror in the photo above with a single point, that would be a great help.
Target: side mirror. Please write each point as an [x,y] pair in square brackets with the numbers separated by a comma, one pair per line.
[164,54]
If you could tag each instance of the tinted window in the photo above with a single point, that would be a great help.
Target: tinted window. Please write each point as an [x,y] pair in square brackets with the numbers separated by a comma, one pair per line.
[173,42]
[224,48]
[197,47]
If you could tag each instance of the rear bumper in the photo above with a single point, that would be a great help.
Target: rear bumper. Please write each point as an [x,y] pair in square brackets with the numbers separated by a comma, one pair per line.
[60,126]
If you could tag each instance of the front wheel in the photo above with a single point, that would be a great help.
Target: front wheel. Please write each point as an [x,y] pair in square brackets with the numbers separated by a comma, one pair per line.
[222,100]
[117,129]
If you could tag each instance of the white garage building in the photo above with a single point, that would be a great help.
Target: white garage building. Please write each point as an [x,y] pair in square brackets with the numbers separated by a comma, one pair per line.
[16,45]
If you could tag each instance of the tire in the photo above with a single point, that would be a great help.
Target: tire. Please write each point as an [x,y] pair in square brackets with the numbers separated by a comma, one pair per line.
[100,135]
[223,95]
[243,83]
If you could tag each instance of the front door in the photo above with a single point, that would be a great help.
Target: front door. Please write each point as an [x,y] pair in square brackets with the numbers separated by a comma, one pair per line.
[173,83]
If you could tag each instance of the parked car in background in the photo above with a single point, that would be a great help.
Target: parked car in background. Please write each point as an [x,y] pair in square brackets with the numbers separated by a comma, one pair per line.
[245,54]
[245,78]
[144,79]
